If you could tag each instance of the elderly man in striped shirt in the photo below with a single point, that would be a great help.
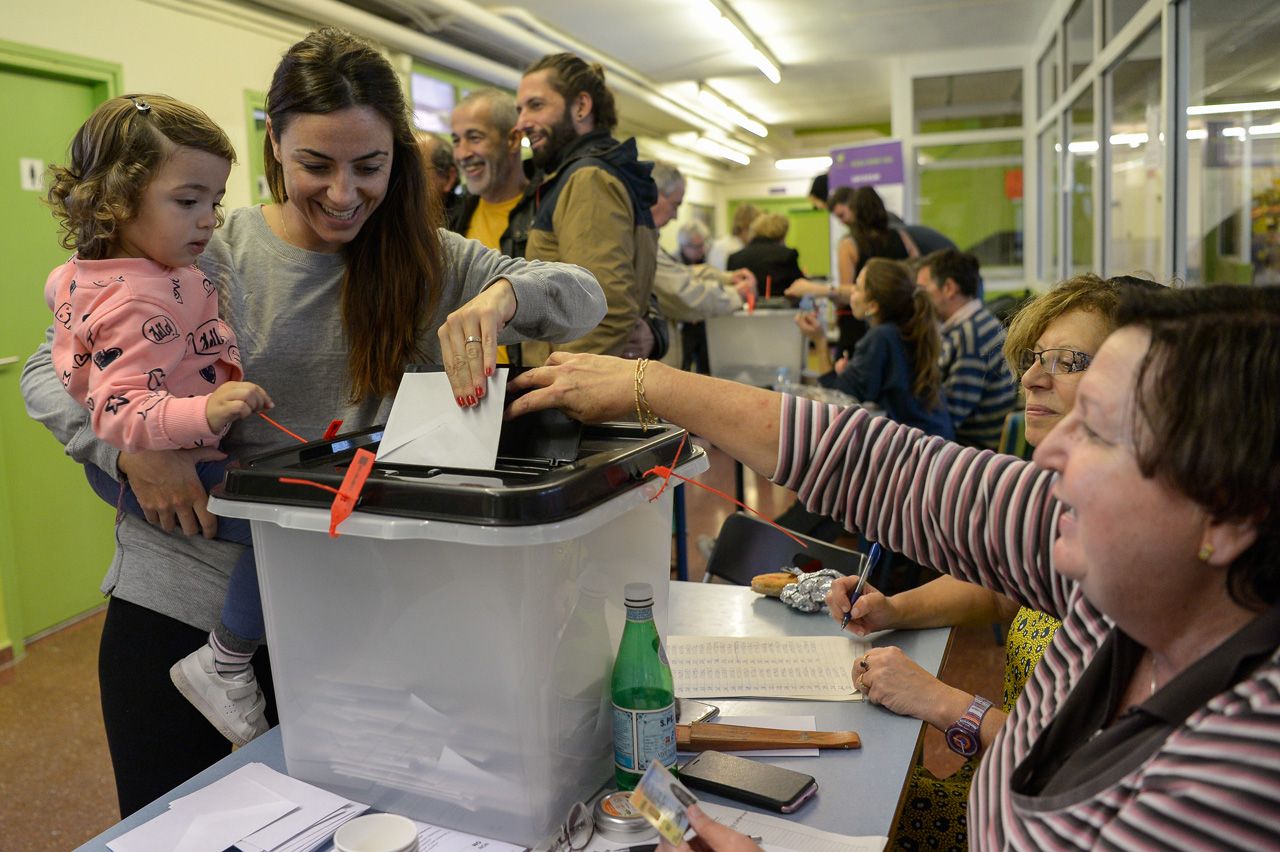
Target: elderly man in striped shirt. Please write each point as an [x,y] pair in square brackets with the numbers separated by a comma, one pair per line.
[976,379]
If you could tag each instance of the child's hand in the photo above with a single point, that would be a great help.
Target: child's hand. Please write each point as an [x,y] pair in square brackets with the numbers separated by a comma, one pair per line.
[235,401]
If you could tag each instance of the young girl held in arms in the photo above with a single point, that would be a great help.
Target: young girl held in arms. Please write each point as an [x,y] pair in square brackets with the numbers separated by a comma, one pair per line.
[138,342]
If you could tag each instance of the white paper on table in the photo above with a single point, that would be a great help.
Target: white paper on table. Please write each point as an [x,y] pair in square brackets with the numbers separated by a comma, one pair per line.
[783,835]
[783,723]
[314,806]
[811,668]
[208,820]
[428,427]
[433,838]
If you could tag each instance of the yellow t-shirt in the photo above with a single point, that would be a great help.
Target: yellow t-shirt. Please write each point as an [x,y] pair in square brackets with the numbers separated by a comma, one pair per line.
[490,220]
[487,225]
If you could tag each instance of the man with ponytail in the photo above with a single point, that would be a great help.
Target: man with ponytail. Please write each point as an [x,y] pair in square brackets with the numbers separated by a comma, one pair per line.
[592,197]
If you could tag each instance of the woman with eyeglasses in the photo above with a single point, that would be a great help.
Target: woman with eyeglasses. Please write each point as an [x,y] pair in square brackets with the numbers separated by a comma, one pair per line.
[1050,344]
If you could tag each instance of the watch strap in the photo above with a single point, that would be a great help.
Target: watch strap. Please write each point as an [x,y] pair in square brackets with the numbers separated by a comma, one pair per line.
[962,736]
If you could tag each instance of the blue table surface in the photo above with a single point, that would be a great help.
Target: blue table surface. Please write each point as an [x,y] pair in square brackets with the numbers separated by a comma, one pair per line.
[858,790]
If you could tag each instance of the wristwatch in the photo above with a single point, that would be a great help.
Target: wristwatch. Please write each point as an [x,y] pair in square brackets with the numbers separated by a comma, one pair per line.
[962,736]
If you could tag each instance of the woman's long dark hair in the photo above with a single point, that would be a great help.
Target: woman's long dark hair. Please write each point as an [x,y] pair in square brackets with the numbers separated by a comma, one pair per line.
[395,265]
[893,288]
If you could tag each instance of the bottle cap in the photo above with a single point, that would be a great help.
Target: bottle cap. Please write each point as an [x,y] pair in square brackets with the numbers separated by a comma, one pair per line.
[617,819]
[639,594]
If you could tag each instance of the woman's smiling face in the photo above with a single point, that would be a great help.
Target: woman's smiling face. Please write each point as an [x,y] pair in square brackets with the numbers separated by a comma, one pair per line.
[337,166]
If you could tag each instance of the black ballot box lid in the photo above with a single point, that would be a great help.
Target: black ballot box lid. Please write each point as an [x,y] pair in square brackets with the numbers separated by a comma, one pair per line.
[524,489]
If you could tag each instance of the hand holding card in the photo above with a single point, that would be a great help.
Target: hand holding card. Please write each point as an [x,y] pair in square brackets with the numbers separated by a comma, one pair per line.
[664,802]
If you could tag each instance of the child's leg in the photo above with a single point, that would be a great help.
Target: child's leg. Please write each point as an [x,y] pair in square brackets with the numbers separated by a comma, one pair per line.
[218,678]
[236,638]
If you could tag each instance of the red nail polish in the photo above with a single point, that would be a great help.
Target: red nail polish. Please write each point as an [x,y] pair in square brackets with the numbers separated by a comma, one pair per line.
[488,371]
[471,400]
[479,391]
[461,402]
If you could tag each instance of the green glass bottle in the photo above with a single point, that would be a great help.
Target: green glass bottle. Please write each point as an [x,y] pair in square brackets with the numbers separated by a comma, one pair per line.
[644,706]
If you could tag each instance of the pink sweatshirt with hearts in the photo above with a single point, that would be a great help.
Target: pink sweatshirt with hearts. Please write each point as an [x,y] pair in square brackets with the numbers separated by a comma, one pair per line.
[141,347]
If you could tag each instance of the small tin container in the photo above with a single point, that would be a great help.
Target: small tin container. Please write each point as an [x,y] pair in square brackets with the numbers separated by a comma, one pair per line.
[617,819]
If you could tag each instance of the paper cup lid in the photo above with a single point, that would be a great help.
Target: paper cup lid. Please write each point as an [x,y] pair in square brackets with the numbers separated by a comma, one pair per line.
[377,833]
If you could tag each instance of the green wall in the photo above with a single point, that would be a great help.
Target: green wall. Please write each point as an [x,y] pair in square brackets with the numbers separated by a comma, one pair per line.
[969,203]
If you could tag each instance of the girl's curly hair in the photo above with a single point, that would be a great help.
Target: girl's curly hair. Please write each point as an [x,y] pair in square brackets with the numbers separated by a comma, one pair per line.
[113,157]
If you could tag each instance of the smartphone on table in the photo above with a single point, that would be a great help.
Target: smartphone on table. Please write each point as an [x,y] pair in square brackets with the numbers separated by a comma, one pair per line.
[689,711]
[750,781]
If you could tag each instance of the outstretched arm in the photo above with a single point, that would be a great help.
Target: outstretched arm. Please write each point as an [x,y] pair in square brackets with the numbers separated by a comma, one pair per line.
[740,419]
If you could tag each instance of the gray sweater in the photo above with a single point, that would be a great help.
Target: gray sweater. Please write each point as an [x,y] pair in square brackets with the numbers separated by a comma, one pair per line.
[283,305]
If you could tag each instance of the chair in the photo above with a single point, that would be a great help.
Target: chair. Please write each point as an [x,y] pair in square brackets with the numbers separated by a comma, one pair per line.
[747,546]
[1013,440]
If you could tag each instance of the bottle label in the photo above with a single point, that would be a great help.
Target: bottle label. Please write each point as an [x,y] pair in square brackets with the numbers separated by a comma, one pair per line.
[644,613]
[640,736]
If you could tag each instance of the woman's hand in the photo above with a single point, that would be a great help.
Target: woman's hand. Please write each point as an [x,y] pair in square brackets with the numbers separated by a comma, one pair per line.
[890,678]
[710,836]
[872,612]
[811,328]
[744,281]
[590,388]
[168,489]
[802,287]
[469,340]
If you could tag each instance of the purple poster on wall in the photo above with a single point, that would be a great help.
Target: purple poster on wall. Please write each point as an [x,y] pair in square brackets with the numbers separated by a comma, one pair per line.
[867,164]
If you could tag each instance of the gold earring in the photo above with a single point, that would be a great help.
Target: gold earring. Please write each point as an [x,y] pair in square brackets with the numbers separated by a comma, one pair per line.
[1206,552]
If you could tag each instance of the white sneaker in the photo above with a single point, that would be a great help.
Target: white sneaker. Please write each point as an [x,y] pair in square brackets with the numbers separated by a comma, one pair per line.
[235,706]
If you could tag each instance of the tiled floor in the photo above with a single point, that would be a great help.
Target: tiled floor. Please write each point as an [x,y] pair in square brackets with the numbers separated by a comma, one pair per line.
[55,775]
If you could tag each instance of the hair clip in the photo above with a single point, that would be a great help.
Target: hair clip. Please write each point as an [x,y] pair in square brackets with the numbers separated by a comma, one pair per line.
[142,105]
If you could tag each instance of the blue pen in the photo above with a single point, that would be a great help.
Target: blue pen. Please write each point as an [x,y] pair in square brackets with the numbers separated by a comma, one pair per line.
[863,573]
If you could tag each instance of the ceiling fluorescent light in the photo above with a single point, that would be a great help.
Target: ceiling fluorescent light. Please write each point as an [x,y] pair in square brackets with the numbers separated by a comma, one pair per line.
[766,67]
[732,113]
[803,164]
[715,149]
[737,31]
[1083,147]
[1133,140]
[1218,109]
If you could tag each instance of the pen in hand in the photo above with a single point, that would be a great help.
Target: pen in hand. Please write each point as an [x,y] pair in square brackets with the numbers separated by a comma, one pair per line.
[864,570]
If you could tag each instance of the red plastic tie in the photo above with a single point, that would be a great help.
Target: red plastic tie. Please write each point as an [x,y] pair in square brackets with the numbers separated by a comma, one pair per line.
[751,301]
[349,492]
[768,286]
[666,473]
[281,428]
[332,431]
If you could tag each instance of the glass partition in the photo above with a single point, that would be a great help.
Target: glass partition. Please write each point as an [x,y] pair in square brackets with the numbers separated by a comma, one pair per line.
[973,194]
[1082,157]
[1079,40]
[1135,238]
[1233,141]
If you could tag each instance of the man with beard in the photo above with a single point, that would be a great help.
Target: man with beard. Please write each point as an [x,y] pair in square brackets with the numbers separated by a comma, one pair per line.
[486,148]
[591,198]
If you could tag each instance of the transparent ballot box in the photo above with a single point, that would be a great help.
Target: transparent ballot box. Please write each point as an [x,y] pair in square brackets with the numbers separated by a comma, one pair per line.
[447,656]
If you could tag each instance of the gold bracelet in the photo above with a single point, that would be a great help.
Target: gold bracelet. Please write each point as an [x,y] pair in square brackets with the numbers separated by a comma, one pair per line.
[643,412]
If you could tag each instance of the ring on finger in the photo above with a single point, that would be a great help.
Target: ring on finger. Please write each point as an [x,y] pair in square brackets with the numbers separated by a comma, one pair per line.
[471,338]
[862,685]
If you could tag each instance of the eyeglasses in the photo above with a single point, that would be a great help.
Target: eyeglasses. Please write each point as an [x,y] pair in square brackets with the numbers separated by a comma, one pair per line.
[1056,361]
[573,835]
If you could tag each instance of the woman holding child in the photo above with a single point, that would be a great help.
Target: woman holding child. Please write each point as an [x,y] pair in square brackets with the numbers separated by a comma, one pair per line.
[332,290]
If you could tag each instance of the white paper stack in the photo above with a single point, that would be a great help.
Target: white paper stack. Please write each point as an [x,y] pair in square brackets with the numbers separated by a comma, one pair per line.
[254,808]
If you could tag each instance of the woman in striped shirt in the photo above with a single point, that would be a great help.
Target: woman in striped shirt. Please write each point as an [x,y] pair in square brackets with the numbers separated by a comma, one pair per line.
[1148,524]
